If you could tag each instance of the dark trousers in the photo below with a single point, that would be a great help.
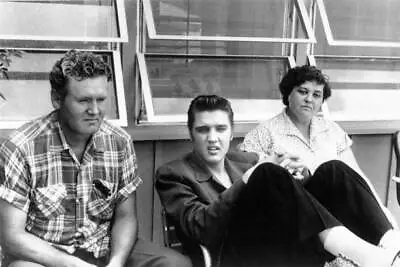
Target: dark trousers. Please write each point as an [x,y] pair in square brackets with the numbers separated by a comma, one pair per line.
[277,219]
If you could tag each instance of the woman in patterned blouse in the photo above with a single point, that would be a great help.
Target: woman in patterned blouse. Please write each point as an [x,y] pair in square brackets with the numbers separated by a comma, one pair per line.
[302,130]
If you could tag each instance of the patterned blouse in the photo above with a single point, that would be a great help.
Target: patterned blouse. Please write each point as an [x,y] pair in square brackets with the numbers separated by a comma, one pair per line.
[68,203]
[279,134]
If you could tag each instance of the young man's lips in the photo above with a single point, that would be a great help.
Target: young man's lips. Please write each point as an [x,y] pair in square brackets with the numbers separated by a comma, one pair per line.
[92,120]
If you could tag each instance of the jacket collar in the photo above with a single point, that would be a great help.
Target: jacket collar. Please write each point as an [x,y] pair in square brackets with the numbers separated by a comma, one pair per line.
[202,173]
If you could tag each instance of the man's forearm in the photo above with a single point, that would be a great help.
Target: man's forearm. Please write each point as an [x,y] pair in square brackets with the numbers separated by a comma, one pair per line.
[123,238]
[26,246]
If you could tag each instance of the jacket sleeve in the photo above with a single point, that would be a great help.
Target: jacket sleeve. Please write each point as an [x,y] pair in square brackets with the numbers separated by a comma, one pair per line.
[199,220]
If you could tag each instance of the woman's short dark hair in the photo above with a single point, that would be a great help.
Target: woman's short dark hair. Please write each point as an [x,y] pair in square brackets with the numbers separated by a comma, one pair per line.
[208,103]
[78,65]
[299,75]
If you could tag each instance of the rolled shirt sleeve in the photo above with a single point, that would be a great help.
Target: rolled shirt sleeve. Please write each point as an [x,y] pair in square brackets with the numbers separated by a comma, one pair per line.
[15,187]
[130,179]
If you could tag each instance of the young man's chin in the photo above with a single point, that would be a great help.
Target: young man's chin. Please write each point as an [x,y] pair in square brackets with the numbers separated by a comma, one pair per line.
[213,159]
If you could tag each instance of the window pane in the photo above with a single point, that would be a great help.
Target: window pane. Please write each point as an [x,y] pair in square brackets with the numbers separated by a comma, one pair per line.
[363,88]
[366,20]
[250,83]
[61,45]
[323,48]
[26,94]
[213,48]
[76,18]
[250,18]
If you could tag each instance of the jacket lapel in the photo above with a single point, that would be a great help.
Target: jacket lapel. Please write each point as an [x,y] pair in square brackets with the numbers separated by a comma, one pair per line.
[202,174]
[233,171]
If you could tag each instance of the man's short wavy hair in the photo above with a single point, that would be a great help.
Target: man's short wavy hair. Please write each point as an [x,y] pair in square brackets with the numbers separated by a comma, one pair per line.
[299,75]
[79,65]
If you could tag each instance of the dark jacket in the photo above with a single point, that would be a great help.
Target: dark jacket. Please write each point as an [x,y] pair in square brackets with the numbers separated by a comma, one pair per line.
[198,204]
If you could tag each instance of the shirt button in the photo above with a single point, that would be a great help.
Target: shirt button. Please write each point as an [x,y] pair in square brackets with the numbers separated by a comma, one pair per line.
[77,201]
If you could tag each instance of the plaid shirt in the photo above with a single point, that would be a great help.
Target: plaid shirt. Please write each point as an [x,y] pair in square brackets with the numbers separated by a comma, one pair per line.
[279,134]
[68,203]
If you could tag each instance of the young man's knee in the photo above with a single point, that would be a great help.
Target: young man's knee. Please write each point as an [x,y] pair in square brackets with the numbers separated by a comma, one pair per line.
[334,164]
[335,173]
[270,173]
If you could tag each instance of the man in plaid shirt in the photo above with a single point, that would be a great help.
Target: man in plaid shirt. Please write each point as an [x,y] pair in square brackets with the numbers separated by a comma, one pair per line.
[68,180]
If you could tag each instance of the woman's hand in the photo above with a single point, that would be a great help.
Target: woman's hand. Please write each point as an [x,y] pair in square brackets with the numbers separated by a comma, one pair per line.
[291,162]
[294,165]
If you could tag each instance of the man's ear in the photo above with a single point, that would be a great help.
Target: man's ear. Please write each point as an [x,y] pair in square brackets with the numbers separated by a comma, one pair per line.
[55,99]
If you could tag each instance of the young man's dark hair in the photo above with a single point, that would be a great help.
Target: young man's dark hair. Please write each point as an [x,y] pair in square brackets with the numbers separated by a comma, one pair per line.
[208,103]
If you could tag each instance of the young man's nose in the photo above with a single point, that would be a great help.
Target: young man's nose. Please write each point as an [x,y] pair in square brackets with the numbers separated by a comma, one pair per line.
[212,136]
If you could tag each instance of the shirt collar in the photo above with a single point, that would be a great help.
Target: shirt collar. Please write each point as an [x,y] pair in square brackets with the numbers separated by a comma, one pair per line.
[58,142]
[203,174]
[318,125]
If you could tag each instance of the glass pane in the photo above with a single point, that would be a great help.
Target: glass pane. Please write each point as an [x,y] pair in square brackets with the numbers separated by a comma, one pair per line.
[250,83]
[363,88]
[83,18]
[347,25]
[26,94]
[61,45]
[364,20]
[214,47]
[238,18]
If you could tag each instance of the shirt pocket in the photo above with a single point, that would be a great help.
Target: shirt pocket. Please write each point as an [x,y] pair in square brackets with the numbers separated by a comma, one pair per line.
[49,200]
[102,197]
